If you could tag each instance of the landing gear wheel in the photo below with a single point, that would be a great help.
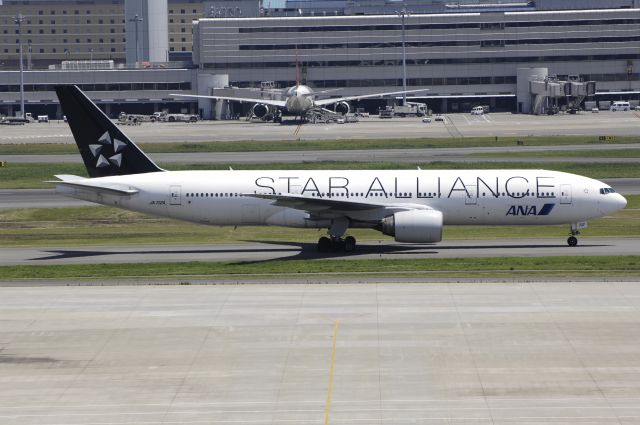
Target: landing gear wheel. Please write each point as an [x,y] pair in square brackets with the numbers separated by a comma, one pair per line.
[349,244]
[324,244]
[572,241]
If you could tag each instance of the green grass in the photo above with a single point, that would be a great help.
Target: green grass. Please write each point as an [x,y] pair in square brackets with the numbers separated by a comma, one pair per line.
[458,267]
[78,226]
[343,144]
[32,176]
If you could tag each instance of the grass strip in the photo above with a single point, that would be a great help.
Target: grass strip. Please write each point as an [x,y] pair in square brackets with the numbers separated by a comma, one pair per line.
[32,176]
[333,144]
[550,266]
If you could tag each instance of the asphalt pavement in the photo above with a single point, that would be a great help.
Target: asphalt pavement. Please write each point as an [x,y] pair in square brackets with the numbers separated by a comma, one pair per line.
[455,126]
[555,353]
[294,250]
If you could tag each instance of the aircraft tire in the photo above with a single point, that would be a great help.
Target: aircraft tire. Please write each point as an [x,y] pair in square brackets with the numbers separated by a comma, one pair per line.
[324,244]
[572,241]
[349,244]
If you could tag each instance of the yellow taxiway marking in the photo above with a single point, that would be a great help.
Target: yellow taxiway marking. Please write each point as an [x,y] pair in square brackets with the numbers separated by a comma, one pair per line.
[336,324]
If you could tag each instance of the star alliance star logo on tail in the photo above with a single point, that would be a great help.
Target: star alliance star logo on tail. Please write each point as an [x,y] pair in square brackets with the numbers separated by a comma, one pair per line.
[108,151]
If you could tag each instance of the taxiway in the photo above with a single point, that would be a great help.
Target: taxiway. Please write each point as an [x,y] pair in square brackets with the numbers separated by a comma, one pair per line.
[268,251]
[436,353]
[456,125]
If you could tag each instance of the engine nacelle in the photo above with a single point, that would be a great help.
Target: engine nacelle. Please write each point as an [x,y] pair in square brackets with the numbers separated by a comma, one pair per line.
[260,110]
[419,226]
[342,108]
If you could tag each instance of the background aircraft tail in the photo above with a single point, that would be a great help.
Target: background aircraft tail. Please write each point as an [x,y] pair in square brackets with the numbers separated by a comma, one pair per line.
[105,150]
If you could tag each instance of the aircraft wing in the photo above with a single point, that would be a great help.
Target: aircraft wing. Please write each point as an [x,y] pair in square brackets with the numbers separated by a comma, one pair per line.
[271,102]
[331,205]
[324,102]
[93,186]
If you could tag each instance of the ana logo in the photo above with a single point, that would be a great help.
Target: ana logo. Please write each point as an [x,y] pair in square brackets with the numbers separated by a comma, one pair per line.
[525,210]
[107,151]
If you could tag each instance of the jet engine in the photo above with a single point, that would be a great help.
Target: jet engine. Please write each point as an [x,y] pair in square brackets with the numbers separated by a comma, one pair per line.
[260,110]
[342,108]
[418,226]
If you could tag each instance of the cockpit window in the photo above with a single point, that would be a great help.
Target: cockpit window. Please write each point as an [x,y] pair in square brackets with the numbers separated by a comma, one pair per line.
[606,190]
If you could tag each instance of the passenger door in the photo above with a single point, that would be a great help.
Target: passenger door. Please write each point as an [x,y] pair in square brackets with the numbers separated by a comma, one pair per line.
[565,194]
[176,195]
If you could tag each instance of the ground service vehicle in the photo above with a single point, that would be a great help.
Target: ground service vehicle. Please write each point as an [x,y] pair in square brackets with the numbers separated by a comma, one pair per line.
[168,117]
[386,112]
[620,106]
[415,109]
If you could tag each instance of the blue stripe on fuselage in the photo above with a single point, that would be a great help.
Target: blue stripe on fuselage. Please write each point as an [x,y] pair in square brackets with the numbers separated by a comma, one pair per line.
[546,209]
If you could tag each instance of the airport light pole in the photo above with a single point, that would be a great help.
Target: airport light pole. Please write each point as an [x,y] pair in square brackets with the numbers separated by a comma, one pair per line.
[18,21]
[403,13]
[29,52]
[136,19]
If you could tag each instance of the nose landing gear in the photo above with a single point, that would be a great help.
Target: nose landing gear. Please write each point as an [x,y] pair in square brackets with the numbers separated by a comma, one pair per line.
[572,240]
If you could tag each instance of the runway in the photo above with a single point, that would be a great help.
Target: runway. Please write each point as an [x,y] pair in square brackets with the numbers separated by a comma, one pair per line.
[436,353]
[268,251]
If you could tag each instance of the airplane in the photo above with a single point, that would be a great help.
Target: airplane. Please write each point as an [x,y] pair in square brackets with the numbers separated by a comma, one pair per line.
[410,205]
[299,101]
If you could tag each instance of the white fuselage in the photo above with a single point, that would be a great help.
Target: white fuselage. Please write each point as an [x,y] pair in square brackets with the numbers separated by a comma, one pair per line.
[491,197]
[299,99]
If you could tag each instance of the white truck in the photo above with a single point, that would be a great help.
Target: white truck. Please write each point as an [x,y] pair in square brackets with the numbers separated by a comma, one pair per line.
[132,119]
[411,109]
[17,120]
[168,117]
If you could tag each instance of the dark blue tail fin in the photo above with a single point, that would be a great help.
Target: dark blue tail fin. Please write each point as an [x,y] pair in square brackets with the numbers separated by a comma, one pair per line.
[105,150]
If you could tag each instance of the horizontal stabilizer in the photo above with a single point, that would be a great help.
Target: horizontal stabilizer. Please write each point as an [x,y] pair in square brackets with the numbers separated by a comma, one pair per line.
[90,185]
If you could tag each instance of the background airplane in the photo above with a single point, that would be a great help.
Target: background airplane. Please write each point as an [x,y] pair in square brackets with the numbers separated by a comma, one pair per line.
[299,100]
[410,205]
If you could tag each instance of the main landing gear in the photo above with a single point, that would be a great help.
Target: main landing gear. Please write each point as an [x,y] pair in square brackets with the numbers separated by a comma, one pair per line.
[332,243]
[335,241]
[572,240]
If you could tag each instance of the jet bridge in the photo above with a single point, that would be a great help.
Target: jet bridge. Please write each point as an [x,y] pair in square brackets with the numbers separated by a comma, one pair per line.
[541,93]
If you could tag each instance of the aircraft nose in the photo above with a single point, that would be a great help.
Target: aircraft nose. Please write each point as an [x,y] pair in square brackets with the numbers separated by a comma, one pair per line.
[621,201]
[613,202]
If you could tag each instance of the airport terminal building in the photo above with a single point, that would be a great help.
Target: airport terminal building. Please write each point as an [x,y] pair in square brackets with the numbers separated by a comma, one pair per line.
[465,57]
